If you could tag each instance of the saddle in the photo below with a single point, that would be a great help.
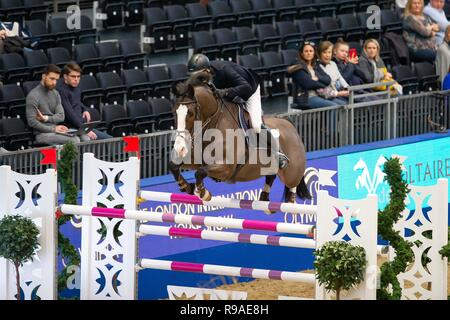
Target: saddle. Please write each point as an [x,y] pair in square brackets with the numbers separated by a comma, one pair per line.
[245,124]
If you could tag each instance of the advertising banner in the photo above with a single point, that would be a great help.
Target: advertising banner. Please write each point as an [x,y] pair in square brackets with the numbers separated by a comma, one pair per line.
[423,163]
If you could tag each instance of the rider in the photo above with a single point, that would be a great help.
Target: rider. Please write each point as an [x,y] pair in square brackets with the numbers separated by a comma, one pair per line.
[239,85]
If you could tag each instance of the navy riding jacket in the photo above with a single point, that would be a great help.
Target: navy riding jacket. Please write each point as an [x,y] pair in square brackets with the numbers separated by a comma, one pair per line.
[240,81]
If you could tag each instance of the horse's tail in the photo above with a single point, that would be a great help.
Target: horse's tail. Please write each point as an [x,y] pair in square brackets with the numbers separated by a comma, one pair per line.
[302,190]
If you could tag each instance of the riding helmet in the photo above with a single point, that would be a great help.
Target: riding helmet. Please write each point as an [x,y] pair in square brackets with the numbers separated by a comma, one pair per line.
[198,62]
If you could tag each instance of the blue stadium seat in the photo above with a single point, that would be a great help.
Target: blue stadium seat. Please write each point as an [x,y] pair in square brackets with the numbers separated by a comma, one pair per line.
[204,42]
[243,12]
[178,17]
[159,29]
[110,55]
[114,90]
[12,101]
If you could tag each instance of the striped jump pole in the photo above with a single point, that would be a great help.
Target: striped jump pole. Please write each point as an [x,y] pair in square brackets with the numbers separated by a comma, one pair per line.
[226,270]
[227,236]
[150,216]
[229,203]
[145,229]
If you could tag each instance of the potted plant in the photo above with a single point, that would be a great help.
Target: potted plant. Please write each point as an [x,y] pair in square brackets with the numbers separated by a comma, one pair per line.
[18,242]
[339,266]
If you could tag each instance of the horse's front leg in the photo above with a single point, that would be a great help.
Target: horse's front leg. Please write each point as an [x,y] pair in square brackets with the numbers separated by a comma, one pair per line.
[200,189]
[182,183]
[264,196]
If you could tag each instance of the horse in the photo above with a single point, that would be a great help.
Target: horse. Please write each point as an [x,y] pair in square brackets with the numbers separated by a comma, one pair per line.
[199,101]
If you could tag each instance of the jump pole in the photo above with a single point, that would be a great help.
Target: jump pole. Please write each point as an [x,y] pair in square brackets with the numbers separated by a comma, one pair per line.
[226,270]
[150,216]
[229,203]
[227,236]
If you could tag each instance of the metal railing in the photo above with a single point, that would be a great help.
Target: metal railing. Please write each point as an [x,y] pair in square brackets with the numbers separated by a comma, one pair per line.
[323,128]
[412,112]
[365,122]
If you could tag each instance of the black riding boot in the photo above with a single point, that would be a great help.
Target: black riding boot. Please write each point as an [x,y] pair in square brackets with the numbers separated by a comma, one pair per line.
[283,160]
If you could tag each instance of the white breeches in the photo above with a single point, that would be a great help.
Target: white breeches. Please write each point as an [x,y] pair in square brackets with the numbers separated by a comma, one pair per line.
[255,110]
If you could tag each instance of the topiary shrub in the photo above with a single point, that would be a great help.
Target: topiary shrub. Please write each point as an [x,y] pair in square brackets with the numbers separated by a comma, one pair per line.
[339,266]
[66,249]
[18,242]
[390,288]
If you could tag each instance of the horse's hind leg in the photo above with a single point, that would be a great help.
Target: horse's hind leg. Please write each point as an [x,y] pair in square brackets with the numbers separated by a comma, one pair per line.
[182,183]
[264,196]
[290,195]
[200,189]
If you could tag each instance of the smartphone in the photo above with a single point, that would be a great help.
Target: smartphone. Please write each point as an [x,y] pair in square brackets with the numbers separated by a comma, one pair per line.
[352,53]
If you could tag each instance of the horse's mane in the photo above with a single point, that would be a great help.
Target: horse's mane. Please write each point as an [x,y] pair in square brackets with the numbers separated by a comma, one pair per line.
[201,78]
[198,79]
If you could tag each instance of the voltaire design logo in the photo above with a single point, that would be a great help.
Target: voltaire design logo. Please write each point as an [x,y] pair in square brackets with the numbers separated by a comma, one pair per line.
[371,183]
[365,180]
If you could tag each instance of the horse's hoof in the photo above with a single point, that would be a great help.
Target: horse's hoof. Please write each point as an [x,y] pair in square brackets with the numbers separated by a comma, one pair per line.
[269,212]
[203,194]
[206,196]
[291,197]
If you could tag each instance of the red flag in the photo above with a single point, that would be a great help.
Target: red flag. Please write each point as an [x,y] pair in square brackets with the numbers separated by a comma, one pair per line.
[49,156]
[132,145]
[58,214]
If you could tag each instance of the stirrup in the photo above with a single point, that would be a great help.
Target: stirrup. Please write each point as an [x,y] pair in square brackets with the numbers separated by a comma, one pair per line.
[283,160]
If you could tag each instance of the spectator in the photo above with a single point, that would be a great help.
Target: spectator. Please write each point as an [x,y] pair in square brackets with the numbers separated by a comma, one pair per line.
[12,40]
[419,32]
[308,77]
[373,67]
[348,66]
[338,87]
[44,111]
[76,113]
[435,9]
[204,2]
[443,56]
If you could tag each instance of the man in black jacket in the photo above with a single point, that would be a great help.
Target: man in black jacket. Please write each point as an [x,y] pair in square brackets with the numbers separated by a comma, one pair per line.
[237,84]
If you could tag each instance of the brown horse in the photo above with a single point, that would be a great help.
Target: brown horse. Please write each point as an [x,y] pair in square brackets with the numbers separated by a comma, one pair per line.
[201,103]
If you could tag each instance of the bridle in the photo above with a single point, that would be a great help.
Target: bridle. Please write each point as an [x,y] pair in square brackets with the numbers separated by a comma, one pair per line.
[197,117]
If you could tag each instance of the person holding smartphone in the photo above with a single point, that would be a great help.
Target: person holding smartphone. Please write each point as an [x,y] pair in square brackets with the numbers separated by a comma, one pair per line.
[347,61]
[45,114]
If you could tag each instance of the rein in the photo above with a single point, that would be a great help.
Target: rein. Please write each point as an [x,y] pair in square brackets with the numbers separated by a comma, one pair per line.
[197,117]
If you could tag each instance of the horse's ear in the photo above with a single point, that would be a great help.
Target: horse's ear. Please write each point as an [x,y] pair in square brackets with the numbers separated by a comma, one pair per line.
[190,91]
